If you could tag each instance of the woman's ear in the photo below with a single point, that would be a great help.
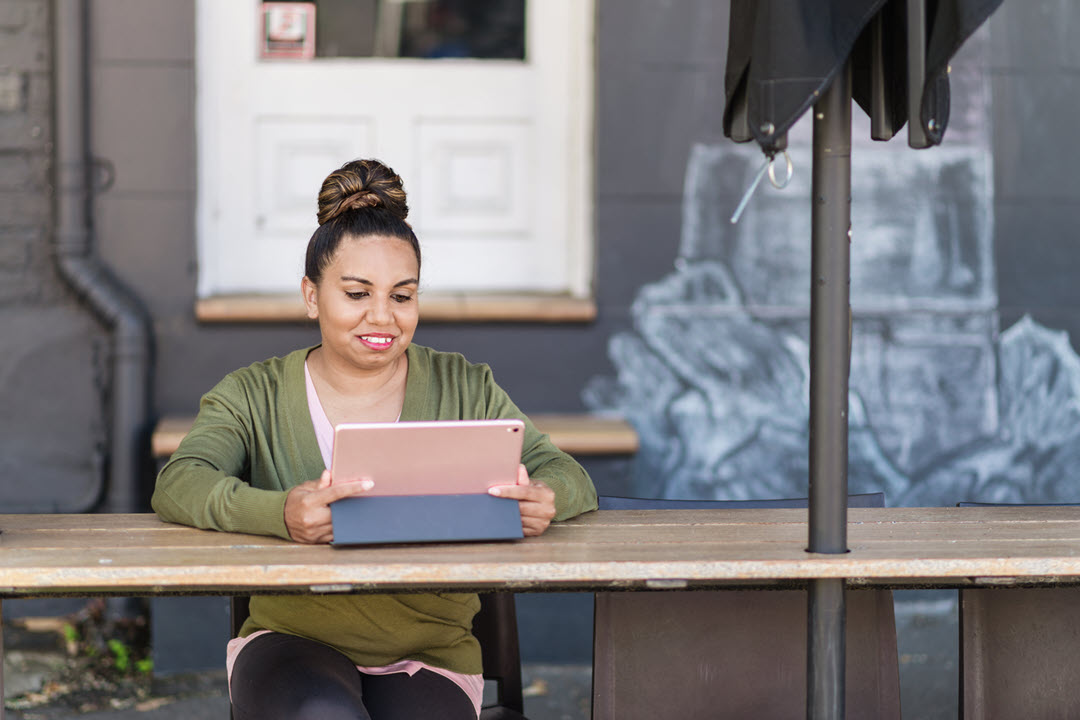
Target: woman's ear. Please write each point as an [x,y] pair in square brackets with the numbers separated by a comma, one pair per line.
[310,292]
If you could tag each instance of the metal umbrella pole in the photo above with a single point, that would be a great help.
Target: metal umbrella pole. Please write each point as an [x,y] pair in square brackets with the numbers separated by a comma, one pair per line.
[830,361]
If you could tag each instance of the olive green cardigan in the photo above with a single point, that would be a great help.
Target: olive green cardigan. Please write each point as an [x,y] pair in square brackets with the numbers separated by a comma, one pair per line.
[253,440]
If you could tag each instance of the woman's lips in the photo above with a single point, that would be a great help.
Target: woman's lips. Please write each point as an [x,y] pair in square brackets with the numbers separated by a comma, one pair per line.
[376,341]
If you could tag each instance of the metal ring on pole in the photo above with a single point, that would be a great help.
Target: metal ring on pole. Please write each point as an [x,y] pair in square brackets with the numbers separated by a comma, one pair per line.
[768,166]
[787,177]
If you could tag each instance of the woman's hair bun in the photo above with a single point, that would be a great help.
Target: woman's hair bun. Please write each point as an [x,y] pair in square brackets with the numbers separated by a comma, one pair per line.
[361,184]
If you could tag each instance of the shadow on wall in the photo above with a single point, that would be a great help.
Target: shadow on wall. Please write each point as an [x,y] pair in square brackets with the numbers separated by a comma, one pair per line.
[715,374]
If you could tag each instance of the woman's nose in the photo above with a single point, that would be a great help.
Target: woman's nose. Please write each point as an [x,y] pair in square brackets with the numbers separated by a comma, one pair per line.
[380,311]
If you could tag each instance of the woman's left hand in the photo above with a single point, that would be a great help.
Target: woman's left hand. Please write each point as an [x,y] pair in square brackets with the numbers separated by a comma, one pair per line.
[535,499]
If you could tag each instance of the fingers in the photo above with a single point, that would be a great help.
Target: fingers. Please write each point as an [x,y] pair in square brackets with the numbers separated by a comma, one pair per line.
[307,521]
[332,493]
[535,518]
[307,507]
[535,491]
[535,500]
[533,527]
[540,501]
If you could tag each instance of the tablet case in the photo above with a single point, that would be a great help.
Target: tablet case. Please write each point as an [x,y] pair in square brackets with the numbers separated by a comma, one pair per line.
[424,518]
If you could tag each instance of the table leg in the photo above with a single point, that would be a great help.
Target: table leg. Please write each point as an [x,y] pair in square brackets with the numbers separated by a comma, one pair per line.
[1,660]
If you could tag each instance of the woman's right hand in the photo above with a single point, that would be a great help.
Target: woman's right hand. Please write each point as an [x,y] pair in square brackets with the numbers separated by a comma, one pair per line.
[307,507]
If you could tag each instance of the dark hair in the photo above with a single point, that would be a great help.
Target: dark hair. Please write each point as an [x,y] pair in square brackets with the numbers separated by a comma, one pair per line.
[359,199]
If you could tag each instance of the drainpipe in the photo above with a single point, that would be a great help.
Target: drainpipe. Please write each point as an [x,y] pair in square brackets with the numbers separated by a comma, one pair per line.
[116,307]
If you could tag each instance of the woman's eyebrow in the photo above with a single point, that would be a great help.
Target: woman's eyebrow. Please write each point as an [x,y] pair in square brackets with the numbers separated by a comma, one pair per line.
[364,281]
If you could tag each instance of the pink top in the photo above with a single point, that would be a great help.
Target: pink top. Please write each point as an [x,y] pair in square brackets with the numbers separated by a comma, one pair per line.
[473,685]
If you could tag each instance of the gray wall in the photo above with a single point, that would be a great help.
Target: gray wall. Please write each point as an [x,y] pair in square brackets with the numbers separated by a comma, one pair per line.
[143,126]
[51,355]
[659,101]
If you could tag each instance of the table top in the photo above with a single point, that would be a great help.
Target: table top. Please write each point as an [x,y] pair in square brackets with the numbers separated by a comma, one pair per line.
[630,549]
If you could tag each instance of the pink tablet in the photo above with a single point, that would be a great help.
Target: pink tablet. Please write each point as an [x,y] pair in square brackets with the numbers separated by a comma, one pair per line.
[448,457]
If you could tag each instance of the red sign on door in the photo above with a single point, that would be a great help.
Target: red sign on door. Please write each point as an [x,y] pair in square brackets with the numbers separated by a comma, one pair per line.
[288,30]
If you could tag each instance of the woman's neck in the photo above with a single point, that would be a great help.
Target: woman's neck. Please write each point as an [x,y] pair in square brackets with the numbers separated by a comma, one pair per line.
[352,395]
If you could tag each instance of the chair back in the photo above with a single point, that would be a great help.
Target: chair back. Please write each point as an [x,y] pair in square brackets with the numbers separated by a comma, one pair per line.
[1018,649]
[733,653]
[239,609]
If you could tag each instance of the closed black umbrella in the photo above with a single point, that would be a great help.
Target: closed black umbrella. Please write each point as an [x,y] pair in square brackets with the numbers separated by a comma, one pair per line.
[784,57]
[783,54]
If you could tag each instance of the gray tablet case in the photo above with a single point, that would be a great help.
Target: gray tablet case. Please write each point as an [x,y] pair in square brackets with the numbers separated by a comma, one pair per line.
[424,518]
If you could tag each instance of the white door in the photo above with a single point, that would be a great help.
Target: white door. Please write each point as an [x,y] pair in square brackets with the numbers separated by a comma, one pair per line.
[496,155]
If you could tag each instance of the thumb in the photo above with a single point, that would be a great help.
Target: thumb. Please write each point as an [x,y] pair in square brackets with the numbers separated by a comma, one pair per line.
[523,476]
[324,479]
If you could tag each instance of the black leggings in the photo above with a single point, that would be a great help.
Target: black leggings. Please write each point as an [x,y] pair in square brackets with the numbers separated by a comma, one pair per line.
[284,677]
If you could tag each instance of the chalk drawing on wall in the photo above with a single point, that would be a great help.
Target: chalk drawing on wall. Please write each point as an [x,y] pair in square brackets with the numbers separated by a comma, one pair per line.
[942,407]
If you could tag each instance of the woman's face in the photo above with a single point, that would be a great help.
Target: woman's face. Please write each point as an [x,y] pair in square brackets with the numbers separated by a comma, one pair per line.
[366,302]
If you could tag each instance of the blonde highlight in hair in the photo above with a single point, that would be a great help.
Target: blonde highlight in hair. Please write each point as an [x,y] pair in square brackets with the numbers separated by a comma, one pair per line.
[361,184]
[359,199]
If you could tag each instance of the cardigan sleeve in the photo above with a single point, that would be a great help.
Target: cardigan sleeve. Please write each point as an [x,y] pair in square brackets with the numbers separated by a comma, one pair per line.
[574,490]
[202,485]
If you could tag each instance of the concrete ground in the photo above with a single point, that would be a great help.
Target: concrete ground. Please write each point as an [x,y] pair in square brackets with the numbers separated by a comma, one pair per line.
[552,692]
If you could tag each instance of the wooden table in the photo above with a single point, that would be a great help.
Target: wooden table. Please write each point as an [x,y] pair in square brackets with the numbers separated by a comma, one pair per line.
[95,555]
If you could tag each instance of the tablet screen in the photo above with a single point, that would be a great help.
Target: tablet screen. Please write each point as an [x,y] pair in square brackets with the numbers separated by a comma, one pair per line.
[449,457]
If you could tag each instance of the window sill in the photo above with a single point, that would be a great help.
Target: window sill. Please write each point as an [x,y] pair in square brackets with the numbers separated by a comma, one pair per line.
[462,307]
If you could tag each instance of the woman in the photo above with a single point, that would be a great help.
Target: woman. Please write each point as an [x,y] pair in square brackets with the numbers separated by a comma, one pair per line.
[255,462]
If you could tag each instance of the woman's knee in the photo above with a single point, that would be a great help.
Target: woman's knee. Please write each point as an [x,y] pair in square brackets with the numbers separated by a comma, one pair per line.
[282,676]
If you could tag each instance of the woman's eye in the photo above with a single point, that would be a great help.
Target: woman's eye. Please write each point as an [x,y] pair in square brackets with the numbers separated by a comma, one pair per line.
[356,295]
[402,298]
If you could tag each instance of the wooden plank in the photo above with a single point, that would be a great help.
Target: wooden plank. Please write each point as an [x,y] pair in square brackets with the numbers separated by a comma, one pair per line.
[1011,514]
[580,434]
[47,554]
[182,574]
[893,525]
[105,522]
[168,433]
[586,434]
[461,307]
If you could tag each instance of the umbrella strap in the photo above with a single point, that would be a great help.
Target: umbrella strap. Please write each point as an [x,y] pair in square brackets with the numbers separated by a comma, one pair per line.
[768,166]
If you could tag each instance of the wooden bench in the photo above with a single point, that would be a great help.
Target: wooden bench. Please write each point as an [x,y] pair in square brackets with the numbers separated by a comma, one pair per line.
[576,434]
